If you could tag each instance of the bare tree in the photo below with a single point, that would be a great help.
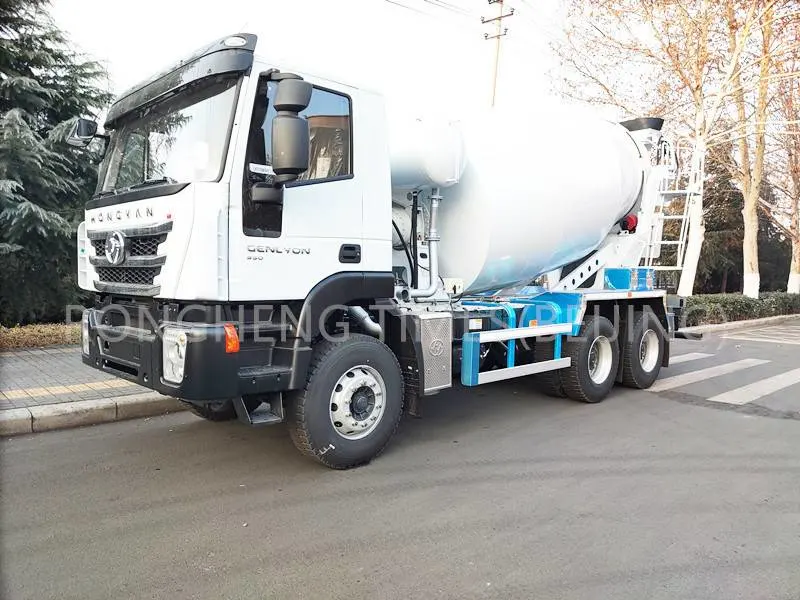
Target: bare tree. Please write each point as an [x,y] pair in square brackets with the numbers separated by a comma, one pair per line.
[695,62]
[787,104]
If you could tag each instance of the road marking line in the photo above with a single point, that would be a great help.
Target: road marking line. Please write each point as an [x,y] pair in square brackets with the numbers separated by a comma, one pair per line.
[682,358]
[754,391]
[765,340]
[669,383]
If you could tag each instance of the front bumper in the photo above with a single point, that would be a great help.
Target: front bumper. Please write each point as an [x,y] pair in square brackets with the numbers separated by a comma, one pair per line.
[210,373]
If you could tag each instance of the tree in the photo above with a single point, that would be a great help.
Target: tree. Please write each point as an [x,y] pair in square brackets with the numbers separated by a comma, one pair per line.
[721,266]
[691,62]
[44,87]
[788,111]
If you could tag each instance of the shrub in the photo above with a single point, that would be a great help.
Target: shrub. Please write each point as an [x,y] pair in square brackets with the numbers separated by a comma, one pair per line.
[33,336]
[720,308]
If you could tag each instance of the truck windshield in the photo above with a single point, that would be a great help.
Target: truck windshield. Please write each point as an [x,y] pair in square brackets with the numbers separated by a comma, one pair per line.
[182,139]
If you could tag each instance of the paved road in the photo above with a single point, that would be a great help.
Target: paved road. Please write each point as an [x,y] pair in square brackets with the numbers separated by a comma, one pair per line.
[496,493]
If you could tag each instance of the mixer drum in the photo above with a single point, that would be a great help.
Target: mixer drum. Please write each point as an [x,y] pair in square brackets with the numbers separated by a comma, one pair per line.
[535,195]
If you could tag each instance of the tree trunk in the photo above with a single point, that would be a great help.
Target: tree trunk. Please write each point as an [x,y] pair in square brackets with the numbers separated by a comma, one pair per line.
[793,287]
[751,175]
[724,287]
[751,279]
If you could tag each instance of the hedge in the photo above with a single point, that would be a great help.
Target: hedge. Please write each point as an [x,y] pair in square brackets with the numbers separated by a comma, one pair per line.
[720,308]
[35,336]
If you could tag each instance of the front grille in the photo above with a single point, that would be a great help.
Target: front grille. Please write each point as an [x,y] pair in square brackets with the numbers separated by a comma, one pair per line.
[140,266]
[128,275]
[137,246]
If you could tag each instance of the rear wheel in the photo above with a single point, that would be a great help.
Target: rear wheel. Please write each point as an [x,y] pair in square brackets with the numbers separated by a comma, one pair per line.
[351,404]
[595,360]
[643,351]
[548,382]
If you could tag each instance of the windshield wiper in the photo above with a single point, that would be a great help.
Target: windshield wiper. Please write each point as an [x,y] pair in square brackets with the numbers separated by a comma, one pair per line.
[148,182]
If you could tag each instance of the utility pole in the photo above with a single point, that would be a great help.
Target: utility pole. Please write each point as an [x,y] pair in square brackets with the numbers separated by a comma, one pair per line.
[500,31]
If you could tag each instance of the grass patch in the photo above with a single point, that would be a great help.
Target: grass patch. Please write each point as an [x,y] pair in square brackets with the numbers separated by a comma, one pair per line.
[36,336]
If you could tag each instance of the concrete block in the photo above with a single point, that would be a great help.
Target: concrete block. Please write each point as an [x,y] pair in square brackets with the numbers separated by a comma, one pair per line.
[15,421]
[73,414]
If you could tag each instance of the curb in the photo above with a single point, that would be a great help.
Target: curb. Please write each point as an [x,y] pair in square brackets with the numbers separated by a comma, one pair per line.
[734,325]
[66,415]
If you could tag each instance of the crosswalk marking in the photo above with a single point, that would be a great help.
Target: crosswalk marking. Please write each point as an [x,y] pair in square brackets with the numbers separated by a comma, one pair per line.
[669,383]
[769,339]
[682,358]
[756,390]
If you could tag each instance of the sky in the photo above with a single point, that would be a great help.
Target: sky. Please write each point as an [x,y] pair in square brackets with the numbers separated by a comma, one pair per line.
[430,55]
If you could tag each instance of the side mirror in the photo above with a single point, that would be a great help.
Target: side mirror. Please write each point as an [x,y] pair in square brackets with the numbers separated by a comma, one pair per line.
[82,133]
[290,132]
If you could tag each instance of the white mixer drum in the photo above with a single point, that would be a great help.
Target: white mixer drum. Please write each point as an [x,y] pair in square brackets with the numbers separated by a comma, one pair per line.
[535,195]
[425,153]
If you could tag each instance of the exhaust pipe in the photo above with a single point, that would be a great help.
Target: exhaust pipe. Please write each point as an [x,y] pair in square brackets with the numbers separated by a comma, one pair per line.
[361,318]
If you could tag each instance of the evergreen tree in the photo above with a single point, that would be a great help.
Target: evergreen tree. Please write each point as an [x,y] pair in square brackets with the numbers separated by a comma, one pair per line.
[44,86]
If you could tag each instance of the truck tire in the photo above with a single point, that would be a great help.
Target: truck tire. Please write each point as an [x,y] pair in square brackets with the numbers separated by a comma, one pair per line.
[549,382]
[642,351]
[218,410]
[351,404]
[595,361]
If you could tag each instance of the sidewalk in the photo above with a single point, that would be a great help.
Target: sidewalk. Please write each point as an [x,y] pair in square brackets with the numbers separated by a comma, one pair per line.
[52,389]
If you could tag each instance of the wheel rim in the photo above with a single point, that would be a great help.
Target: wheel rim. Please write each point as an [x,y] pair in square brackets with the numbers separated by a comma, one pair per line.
[358,402]
[601,358]
[648,351]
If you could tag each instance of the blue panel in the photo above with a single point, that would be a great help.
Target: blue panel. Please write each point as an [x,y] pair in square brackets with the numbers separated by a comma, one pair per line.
[510,322]
[635,280]
[470,358]
[618,279]
[552,308]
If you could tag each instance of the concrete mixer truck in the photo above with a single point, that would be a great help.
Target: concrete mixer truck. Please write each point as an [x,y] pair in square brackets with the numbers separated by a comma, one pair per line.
[270,246]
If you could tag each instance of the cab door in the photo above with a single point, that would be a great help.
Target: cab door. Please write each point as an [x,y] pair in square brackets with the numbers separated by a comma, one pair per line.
[280,251]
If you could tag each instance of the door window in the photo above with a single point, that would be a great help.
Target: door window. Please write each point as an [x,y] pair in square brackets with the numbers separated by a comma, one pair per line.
[329,118]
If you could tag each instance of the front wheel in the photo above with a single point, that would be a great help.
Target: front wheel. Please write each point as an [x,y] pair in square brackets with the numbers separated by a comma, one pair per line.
[351,404]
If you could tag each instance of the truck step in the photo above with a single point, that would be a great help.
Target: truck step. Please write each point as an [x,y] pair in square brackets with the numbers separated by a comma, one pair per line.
[267,413]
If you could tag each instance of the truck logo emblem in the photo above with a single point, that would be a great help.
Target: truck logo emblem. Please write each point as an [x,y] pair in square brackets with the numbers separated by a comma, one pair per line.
[436,347]
[115,248]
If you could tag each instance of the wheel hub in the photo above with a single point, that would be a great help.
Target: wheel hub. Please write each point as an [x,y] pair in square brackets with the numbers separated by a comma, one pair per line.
[362,403]
[600,360]
[357,402]
[648,351]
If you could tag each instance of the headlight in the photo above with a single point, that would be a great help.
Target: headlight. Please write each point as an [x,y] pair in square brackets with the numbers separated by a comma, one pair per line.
[174,354]
[85,332]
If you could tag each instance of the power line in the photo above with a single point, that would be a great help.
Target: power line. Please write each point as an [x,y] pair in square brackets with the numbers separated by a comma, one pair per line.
[500,32]
[448,6]
[460,24]
[411,8]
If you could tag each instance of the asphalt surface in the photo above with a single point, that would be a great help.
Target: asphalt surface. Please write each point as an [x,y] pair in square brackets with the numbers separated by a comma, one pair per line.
[497,492]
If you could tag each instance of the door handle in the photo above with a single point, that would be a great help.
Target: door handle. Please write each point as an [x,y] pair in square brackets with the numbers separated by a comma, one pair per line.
[350,253]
